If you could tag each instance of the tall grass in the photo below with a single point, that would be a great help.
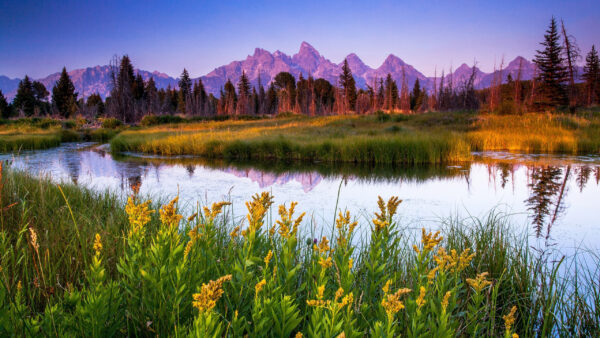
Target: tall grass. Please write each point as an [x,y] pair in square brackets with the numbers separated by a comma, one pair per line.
[537,133]
[330,139]
[80,266]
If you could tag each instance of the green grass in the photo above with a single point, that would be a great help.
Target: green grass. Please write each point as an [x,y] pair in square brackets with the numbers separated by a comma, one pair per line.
[37,134]
[143,279]
[336,139]
[438,137]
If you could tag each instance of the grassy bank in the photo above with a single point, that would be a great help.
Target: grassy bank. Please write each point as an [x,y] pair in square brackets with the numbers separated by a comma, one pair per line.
[161,273]
[426,138]
[329,139]
[36,133]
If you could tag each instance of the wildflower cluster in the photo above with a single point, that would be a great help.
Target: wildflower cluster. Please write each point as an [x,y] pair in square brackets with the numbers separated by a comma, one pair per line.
[210,294]
[139,214]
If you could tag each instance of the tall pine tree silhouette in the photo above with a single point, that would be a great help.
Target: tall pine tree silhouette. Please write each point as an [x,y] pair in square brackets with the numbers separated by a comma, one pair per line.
[553,72]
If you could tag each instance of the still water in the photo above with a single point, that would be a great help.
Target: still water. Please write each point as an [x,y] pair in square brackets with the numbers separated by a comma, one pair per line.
[556,199]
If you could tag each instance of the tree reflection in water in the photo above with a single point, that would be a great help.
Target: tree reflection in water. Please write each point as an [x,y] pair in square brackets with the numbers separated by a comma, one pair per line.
[548,186]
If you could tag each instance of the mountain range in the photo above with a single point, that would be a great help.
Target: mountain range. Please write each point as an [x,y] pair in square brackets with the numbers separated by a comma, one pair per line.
[265,65]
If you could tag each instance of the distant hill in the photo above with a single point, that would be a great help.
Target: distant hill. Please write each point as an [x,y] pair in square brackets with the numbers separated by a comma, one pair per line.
[266,65]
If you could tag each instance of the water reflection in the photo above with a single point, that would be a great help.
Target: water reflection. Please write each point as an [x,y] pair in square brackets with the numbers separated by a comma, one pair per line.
[547,190]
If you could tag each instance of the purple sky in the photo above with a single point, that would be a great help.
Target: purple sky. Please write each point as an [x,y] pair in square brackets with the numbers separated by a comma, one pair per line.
[40,37]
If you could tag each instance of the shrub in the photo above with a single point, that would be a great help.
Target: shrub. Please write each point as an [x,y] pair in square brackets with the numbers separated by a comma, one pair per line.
[111,123]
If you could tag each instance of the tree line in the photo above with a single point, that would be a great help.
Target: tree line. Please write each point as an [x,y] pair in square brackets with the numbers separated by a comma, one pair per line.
[554,85]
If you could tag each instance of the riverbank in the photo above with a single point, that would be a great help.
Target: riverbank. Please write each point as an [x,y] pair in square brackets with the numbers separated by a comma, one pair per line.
[426,138]
[144,273]
[36,134]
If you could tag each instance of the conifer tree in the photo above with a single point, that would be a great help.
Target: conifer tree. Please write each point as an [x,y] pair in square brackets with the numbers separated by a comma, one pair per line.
[243,103]
[271,100]
[416,96]
[94,102]
[25,100]
[185,89]
[4,109]
[229,98]
[553,72]
[349,85]
[63,94]
[151,97]
[591,75]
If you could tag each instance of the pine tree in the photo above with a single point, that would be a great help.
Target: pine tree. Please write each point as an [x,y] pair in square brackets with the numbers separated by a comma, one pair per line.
[25,100]
[229,97]
[349,84]
[151,97]
[553,73]
[63,94]
[391,93]
[185,89]
[416,96]
[591,75]
[138,87]
[243,104]
[271,100]
[94,102]
[4,109]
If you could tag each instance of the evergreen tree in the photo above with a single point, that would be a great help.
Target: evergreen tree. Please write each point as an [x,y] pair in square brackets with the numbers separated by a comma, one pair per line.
[261,97]
[185,90]
[244,85]
[4,109]
[416,96]
[271,100]
[138,87]
[229,98]
[591,75]
[25,99]
[151,97]
[349,84]
[63,95]
[553,72]
[391,93]
[39,91]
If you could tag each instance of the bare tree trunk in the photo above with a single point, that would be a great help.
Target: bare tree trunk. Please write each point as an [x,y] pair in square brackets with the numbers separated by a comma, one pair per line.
[572,54]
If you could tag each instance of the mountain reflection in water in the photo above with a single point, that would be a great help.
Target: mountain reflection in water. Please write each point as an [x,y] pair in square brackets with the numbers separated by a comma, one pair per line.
[549,191]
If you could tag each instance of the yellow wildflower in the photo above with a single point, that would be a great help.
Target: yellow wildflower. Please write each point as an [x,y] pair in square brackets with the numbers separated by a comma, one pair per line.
[380,225]
[19,286]
[324,245]
[431,275]
[236,231]
[139,214]
[215,210]
[445,300]
[341,335]
[257,209]
[188,247]
[345,228]
[421,299]
[514,335]
[268,257]
[209,294]
[287,220]
[325,263]
[98,244]
[348,299]
[386,212]
[386,287]
[320,291]
[299,335]
[392,303]
[350,263]
[192,217]
[338,294]
[259,286]
[34,240]
[168,214]
[510,318]
[480,282]
[430,240]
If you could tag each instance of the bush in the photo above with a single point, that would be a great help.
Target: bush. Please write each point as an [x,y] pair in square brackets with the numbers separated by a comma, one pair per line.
[382,116]
[111,123]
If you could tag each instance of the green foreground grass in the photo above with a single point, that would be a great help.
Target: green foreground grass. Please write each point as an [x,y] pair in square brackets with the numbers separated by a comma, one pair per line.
[75,263]
[376,139]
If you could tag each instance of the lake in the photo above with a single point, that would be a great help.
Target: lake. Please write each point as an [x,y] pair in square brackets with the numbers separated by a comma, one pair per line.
[555,198]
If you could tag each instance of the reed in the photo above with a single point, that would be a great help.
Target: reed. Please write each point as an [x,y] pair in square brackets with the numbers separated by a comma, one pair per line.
[73,263]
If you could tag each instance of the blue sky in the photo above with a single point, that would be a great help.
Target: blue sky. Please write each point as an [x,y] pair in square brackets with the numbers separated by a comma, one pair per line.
[40,37]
